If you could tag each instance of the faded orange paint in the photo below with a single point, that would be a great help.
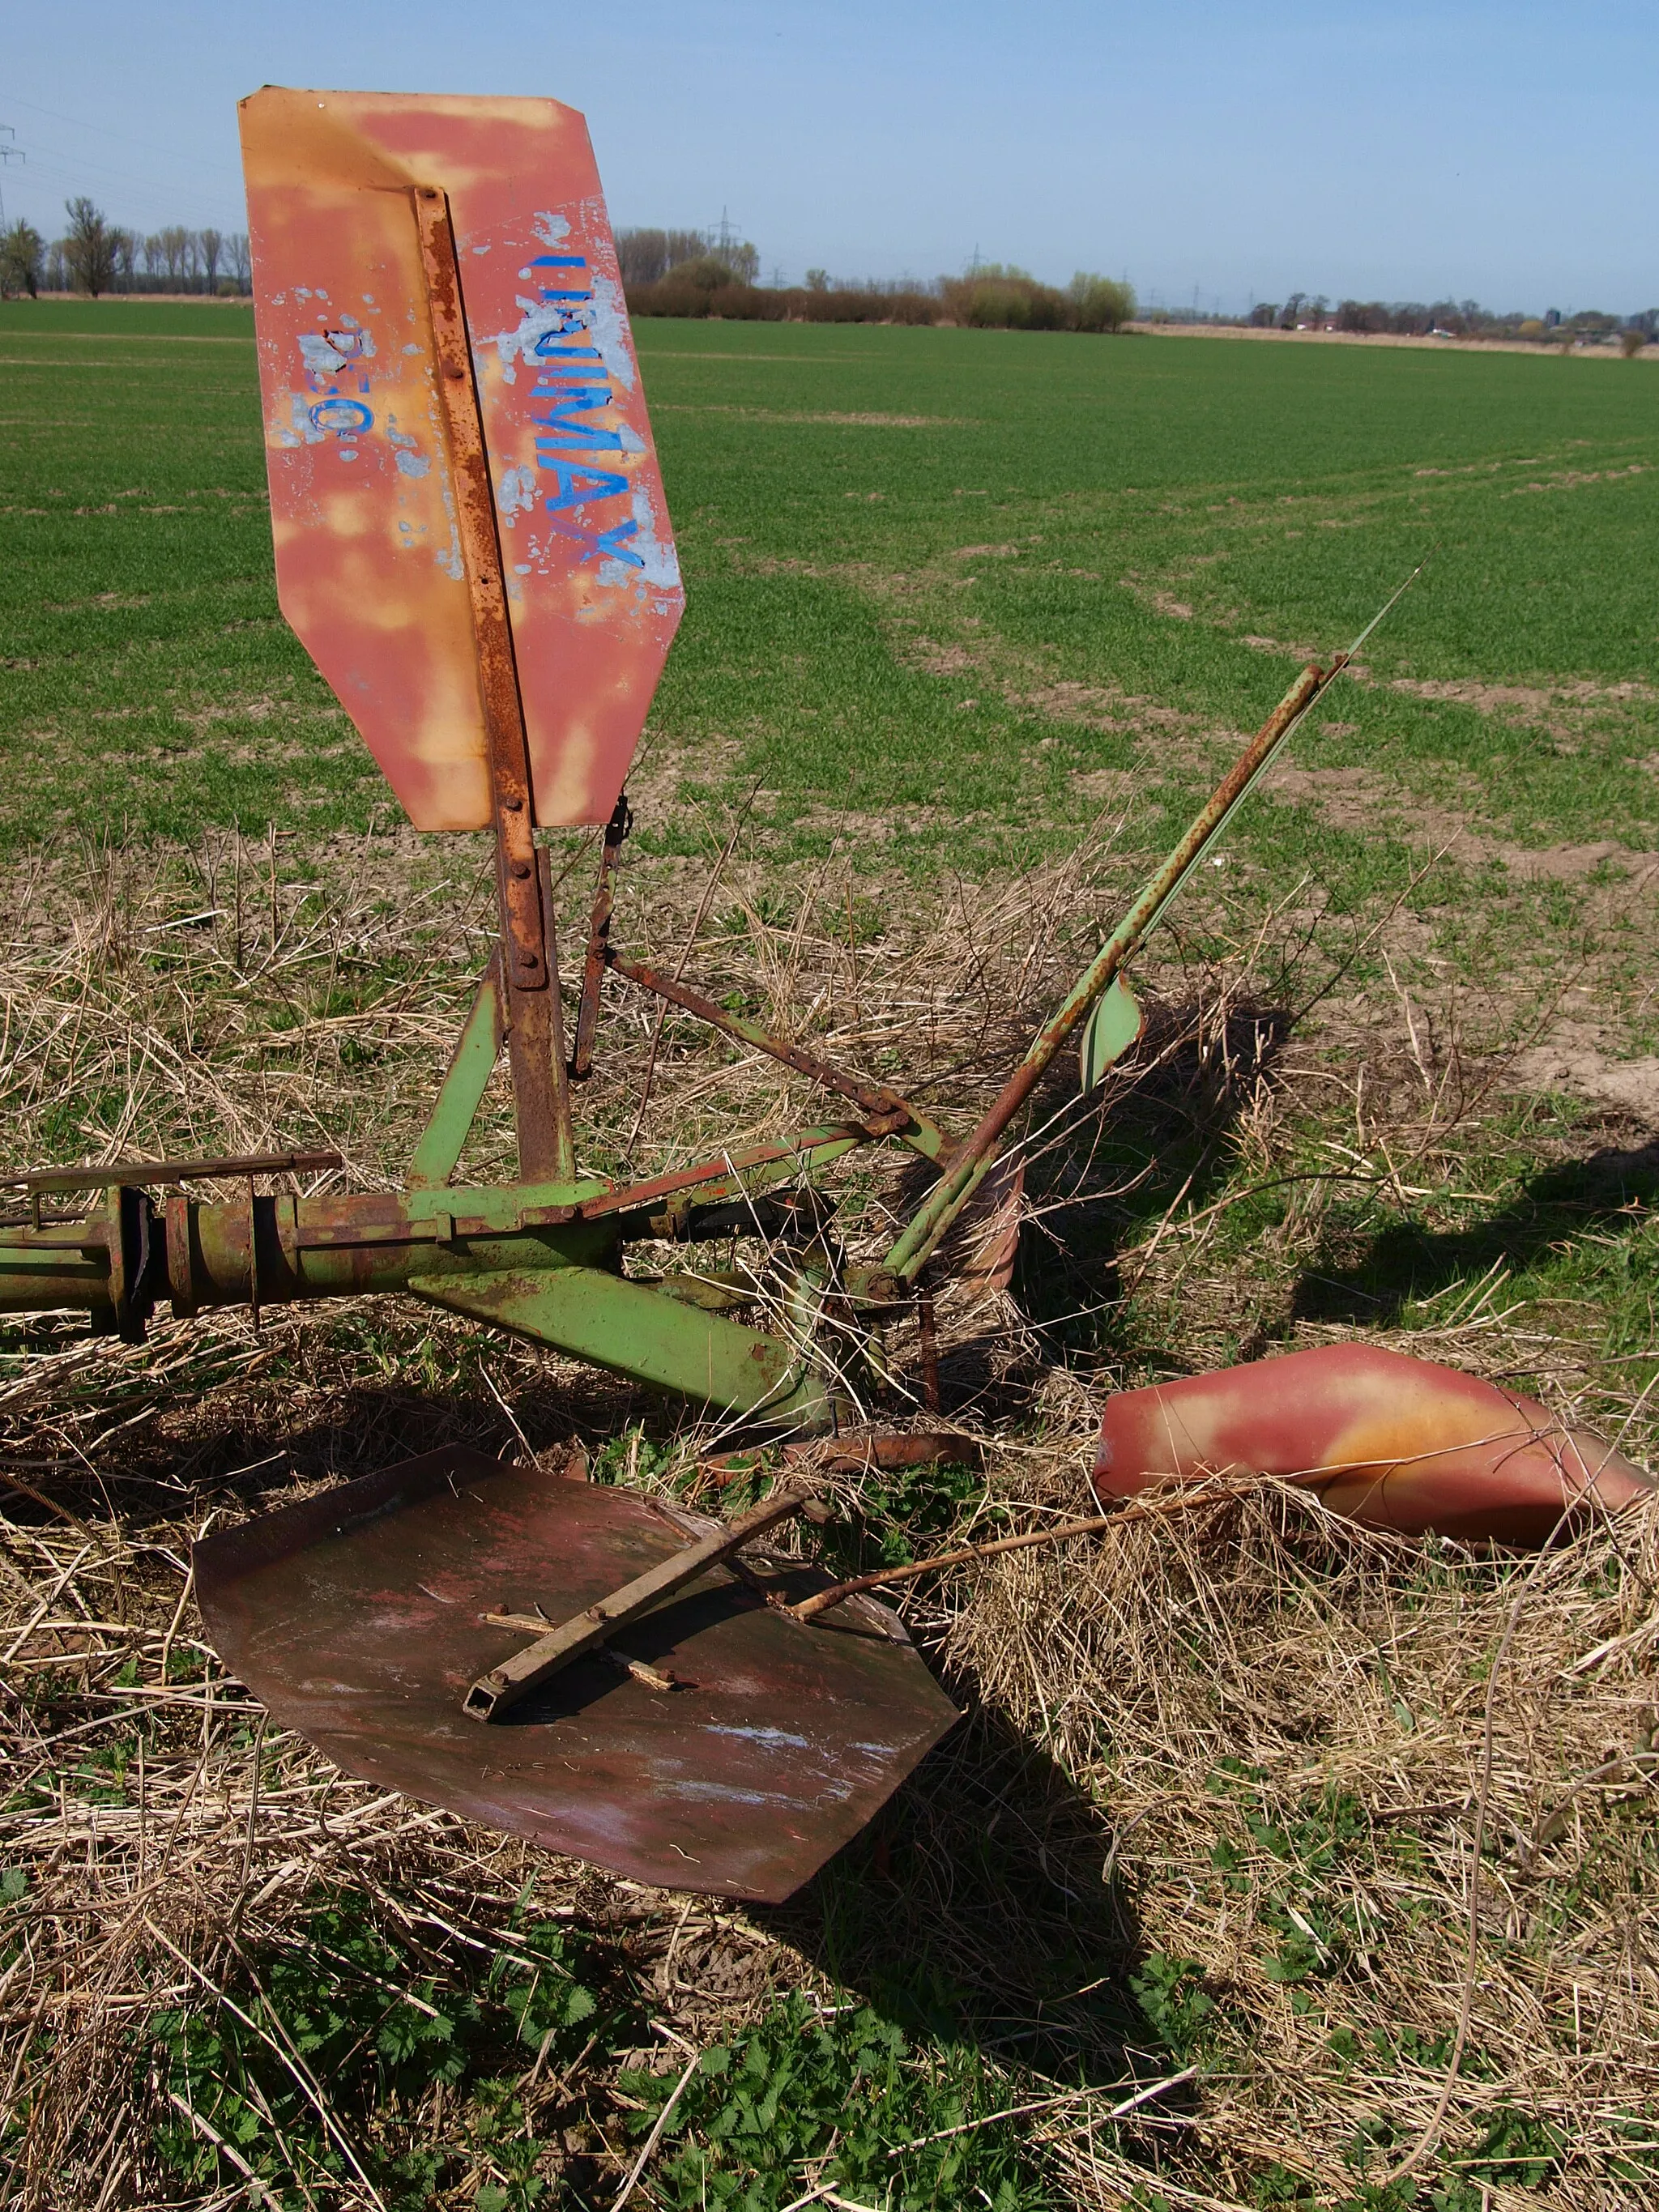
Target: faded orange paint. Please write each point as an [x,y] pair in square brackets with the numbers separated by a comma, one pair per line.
[369,565]
[1400,1444]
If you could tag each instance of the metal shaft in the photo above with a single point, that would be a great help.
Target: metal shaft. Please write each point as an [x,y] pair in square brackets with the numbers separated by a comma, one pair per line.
[534,1029]
[598,939]
[971,1161]
[502,1687]
[885,1108]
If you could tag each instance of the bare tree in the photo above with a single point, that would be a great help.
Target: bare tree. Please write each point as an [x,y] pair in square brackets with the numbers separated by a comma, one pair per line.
[128,246]
[212,244]
[642,256]
[152,255]
[174,242]
[23,259]
[646,257]
[238,258]
[89,248]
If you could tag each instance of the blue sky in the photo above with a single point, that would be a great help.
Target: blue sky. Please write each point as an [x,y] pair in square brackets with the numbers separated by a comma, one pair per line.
[1459,149]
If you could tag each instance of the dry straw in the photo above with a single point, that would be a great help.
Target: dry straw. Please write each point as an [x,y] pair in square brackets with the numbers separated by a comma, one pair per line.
[1203,1867]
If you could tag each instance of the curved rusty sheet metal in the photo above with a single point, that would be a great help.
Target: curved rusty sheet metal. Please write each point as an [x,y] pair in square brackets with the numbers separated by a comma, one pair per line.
[1397,1442]
[360,1616]
[369,564]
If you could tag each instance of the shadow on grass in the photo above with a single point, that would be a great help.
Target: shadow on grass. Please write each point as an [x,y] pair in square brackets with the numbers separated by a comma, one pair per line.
[972,1912]
[1371,1279]
[1106,1167]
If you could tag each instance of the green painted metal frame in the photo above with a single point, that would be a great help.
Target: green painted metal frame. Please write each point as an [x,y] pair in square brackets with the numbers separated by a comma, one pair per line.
[543,1259]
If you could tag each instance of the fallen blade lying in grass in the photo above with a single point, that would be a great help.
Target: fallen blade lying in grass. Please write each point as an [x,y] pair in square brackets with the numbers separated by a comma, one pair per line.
[713,1745]
[1396,1442]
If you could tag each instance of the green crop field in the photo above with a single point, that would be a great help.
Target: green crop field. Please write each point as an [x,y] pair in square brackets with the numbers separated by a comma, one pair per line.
[1276,1863]
[935,576]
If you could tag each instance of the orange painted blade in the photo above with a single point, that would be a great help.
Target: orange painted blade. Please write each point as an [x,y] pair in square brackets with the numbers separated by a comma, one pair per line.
[1397,1443]
[368,561]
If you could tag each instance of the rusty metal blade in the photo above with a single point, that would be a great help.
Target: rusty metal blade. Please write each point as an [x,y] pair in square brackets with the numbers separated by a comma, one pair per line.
[983,1245]
[356,1617]
[364,500]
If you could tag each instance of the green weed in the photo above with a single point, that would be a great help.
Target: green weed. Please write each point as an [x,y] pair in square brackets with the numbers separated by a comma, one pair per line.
[1171,1992]
[422,2073]
[841,2098]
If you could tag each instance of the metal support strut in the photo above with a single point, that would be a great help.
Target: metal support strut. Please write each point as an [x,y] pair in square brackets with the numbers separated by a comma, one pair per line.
[535,1029]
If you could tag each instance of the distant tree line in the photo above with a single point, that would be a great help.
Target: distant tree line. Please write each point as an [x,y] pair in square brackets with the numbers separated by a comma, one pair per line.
[708,273]
[692,273]
[96,256]
[1456,318]
[646,256]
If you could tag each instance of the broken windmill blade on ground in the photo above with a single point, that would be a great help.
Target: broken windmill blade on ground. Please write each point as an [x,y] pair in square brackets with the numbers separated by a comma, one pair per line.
[1397,1442]
[472,542]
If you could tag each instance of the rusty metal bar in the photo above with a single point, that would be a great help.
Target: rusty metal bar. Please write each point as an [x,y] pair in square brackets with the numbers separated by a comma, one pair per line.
[884,1577]
[136,1175]
[811,1148]
[502,1687]
[546,1146]
[880,1104]
[598,934]
[561,1166]
[973,1158]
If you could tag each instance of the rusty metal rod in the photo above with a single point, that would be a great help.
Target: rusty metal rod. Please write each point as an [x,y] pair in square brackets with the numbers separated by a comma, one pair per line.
[820,1600]
[875,1099]
[1147,1509]
[503,1687]
[971,1159]
[535,1048]
[811,1148]
[599,936]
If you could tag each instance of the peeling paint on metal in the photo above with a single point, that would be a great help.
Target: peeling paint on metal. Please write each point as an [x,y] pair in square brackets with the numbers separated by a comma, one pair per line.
[516,495]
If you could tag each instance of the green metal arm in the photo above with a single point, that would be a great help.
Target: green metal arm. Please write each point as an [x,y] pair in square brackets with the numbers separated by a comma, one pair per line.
[972,1160]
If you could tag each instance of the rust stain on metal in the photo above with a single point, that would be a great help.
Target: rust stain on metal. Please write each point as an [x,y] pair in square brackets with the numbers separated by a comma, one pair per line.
[507,746]
[354,1617]
[534,1039]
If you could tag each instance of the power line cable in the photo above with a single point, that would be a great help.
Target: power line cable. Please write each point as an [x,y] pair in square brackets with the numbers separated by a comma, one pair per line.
[77,123]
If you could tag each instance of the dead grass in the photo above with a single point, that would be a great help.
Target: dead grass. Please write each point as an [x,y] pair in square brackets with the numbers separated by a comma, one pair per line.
[1330,1849]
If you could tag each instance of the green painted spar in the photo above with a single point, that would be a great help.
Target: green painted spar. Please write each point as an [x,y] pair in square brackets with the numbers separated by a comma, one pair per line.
[545,1260]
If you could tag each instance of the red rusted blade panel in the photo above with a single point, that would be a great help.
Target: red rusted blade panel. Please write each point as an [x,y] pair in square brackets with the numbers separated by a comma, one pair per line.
[1397,1443]
[368,560]
[987,1232]
[354,1616]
